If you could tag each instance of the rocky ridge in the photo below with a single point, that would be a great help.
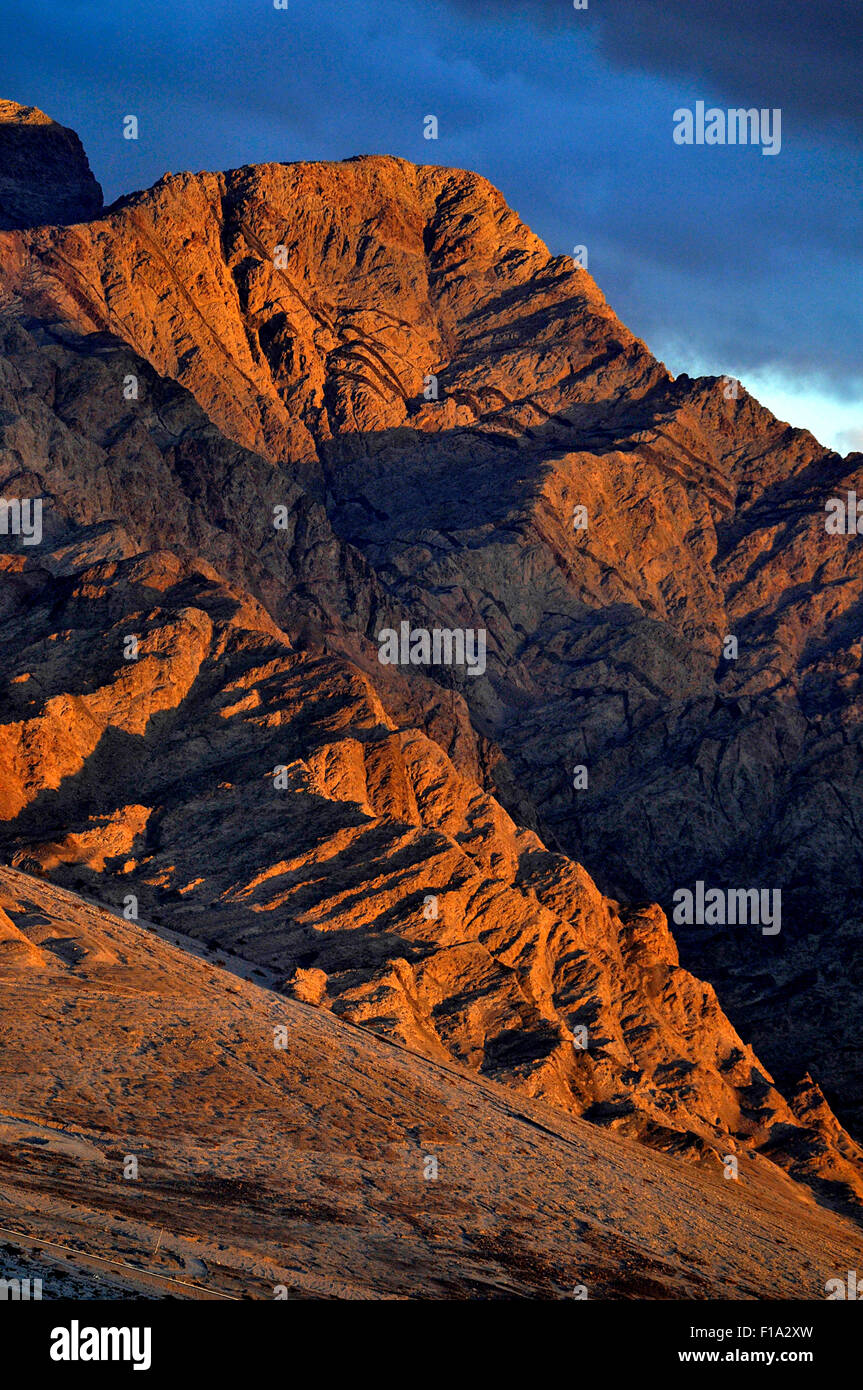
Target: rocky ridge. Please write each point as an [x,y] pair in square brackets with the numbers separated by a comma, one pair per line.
[261,800]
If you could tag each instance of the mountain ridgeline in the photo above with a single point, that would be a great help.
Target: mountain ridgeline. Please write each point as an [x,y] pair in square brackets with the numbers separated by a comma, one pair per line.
[273,413]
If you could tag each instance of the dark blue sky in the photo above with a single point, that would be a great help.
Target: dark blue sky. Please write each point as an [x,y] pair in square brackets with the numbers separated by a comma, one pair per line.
[721,258]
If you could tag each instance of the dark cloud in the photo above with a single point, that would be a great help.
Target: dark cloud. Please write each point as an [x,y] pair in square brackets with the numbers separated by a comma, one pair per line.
[800,56]
[741,260]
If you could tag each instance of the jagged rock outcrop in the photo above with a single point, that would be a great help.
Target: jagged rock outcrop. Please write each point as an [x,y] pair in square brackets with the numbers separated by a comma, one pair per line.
[311,301]
[44,173]
[154,465]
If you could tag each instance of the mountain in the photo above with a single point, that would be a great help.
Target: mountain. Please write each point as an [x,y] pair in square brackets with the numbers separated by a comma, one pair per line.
[195,718]
[306,306]
[44,172]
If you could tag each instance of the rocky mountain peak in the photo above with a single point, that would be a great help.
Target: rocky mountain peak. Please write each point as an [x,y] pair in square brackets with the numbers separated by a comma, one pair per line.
[44,173]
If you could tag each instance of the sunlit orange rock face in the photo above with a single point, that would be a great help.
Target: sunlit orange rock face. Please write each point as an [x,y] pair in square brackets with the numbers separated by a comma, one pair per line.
[305,302]
[386,360]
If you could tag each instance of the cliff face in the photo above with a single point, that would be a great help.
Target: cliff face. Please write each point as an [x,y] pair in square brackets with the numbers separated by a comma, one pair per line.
[44,173]
[390,357]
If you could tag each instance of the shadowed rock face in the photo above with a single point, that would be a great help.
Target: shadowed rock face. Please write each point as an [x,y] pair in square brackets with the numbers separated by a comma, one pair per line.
[413,867]
[44,173]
